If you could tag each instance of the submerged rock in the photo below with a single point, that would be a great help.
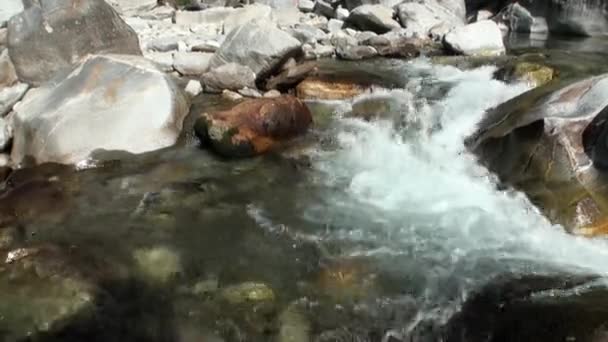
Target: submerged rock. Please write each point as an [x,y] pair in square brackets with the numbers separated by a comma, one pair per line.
[99,106]
[55,34]
[549,143]
[322,89]
[482,38]
[158,265]
[254,126]
[248,292]
[41,291]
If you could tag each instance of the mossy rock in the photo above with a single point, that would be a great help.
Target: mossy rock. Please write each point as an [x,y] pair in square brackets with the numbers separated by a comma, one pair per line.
[534,74]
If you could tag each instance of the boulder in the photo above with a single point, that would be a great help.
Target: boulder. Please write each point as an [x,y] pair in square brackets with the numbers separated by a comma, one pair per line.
[306,33]
[254,126]
[574,17]
[358,52]
[8,9]
[210,16]
[324,8]
[419,18]
[317,51]
[323,89]
[482,38]
[163,60]
[376,18]
[47,38]
[334,25]
[193,88]
[550,143]
[99,106]
[306,6]
[229,76]
[133,7]
[259,45]
[192,63]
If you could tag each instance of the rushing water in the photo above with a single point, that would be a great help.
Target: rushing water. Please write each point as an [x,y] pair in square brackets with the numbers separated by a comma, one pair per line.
[376,228]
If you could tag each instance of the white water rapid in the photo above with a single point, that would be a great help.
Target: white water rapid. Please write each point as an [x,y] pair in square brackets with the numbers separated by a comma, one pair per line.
[424,198]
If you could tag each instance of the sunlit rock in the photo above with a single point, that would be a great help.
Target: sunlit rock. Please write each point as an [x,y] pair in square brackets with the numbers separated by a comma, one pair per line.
[98,106]
[482,38]
[533,74]
[320,89]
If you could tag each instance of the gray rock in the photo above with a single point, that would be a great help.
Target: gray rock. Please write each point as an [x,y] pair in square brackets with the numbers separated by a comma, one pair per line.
[420,18]
[259,45]
[365,35]
[192,63]
[377,18]
[324,8]
[246,14]
[249,92]
[318,51]
[193,88]
[9,96]
[45,39]
[395,45]
[8,9]
[210,16]
[306,33]
[334,25]
[539,26]
[163,60]
[517,18]
[228,76]
[306,6]
[482,38]
[8,75]
[158,13]
[99,106]
[342,13]
[572,17]
[357,52]
[165,43]
[206,46]
[314,20]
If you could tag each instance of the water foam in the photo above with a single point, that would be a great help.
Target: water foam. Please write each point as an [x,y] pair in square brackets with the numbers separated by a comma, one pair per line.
[426,198]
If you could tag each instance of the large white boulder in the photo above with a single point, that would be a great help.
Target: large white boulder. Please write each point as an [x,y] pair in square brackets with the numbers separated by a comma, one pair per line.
[482,38]
[110,102]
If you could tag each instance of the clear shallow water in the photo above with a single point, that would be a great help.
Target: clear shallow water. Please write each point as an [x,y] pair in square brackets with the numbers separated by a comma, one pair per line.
[378,226]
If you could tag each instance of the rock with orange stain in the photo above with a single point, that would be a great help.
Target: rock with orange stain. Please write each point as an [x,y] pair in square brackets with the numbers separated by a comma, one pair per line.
[322,89]
[551,143]
[108,102]
[254,126]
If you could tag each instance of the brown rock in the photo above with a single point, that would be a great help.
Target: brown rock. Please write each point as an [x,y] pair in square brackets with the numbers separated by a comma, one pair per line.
[254,126]
[320,89]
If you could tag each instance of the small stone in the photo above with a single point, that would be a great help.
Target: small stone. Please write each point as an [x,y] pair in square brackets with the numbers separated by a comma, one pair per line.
[192,63]
[193,88]
[10,96]
[272,93]
[306,6]
[248,92]
[231,76]
[248,292]
[342,13]
[334,25]
[206,46]
[163,44]
[231,95]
